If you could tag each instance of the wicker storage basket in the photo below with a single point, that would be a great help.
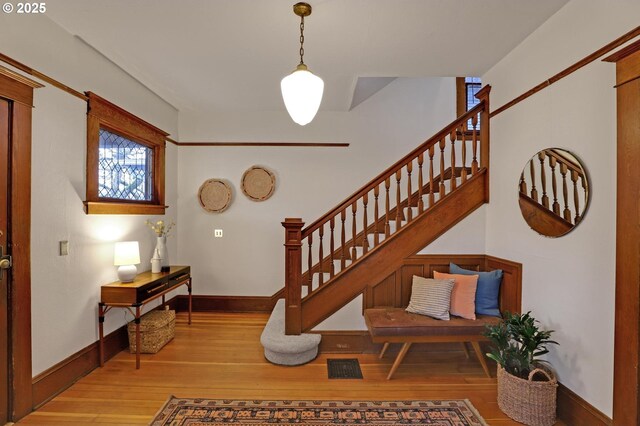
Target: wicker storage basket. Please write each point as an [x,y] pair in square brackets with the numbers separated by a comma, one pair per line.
[530,402]
[157,328]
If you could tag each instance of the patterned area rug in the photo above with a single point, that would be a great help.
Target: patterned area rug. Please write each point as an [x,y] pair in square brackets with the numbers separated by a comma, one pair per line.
[194,412]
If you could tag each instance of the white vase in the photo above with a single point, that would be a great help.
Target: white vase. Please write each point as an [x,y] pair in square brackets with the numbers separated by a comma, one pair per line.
[161,250]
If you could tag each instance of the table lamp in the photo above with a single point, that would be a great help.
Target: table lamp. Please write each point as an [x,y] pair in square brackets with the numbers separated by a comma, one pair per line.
[126,256]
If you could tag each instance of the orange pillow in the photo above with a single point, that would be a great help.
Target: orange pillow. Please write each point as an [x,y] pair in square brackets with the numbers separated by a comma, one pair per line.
[463,295]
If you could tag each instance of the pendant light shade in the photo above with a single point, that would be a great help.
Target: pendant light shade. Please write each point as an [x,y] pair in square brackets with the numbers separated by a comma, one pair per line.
[302,93]
[302,90]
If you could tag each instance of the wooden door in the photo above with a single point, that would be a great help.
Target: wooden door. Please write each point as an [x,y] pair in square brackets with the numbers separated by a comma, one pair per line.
[4,273]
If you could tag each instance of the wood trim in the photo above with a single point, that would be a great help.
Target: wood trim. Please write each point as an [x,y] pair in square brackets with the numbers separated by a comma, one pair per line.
[264,144]
[59,377]
[461,96]
[626,354]
[17,87]
[228,303]
[20,295]
[570,70]
[22,67]
[102,114]
[93,207]
[573,410]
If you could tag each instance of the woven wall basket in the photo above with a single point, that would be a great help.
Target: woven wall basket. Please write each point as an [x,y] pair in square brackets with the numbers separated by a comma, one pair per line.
[258,183]
[529,402]
[214,195]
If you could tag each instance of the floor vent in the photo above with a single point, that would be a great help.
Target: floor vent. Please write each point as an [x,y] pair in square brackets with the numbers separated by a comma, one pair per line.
[344,369]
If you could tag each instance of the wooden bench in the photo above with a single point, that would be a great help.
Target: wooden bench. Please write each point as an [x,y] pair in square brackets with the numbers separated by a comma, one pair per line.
[395,325]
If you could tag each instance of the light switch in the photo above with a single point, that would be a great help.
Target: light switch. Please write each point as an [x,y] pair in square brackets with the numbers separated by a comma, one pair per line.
[217,233]
[64,248]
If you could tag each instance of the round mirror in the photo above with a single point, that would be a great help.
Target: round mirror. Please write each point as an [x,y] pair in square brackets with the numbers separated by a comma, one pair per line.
[553,192]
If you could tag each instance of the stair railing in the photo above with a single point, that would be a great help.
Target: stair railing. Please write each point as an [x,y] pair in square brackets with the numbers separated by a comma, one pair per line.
[386,205]
[556,166]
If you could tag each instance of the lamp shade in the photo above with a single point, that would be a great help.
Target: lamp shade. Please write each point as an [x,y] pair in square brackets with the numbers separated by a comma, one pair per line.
[302,94]
[126,253]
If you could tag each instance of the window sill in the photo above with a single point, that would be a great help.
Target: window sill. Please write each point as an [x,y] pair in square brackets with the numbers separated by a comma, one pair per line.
[102,207]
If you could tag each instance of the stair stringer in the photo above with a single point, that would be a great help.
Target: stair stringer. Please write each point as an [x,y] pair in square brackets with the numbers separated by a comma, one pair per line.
[388,256]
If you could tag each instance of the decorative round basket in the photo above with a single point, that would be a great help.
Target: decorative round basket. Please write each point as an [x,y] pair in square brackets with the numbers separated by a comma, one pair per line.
[526,401]
[258,183]
[214,195]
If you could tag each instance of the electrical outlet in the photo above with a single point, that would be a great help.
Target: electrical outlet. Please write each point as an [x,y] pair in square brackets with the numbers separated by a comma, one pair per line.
[64,248]
[217,233]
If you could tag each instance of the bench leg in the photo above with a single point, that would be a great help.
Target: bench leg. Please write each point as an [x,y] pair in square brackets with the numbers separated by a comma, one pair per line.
[480,355]
[384,349]
[466,350]
[399,358]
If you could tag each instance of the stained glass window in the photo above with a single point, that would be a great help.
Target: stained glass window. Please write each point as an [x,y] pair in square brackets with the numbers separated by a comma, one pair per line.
[125,168]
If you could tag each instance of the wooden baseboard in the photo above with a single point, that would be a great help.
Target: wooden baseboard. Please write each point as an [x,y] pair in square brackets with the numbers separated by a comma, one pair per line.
[228,303]
[59,377]
[573,410]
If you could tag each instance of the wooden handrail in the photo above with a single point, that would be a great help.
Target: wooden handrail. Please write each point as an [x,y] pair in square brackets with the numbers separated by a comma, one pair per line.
[570,70]
[398,165]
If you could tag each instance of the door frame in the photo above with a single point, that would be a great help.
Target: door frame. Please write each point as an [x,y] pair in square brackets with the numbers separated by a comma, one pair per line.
[19,91]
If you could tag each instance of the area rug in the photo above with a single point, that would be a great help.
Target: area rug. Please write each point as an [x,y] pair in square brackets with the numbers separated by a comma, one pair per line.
[197,411]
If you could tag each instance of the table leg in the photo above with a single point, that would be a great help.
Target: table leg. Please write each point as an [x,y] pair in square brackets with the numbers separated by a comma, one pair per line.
[101,333]
[384,349]
[399,358]
[137,320]
[480,355]
[189,287]
[466,350]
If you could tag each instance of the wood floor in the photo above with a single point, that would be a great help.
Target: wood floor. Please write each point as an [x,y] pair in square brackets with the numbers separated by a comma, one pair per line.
[219,356]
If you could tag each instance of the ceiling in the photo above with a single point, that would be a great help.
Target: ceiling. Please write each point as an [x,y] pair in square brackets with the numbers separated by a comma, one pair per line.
[230,55]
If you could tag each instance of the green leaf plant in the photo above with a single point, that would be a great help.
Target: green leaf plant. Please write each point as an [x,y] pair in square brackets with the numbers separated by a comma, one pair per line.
[518,343]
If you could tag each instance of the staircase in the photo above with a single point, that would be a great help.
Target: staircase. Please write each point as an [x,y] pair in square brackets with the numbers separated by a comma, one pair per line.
[399,212]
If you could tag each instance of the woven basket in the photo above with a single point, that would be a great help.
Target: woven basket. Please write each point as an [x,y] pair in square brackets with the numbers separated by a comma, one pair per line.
[157,328]
[530,402]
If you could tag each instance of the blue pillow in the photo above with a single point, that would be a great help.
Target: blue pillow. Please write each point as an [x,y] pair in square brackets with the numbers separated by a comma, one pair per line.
[488,289]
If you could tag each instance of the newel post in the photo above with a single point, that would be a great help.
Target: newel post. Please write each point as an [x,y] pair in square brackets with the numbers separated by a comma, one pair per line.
[293,274]
[483,96]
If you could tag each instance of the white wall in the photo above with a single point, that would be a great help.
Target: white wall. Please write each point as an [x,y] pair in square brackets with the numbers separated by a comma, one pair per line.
[66,290]
[568,283]
[249,259]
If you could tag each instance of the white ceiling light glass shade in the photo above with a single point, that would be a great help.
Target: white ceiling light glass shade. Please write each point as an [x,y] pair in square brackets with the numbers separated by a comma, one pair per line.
[302,93]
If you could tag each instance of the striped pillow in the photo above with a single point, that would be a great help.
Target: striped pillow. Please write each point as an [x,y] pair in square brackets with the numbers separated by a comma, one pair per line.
[430,297]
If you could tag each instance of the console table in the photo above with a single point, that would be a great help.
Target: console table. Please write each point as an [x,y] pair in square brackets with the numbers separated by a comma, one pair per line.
[134,295]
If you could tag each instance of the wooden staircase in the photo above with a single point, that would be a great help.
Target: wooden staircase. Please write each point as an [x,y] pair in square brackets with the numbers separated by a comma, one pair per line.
[395,215]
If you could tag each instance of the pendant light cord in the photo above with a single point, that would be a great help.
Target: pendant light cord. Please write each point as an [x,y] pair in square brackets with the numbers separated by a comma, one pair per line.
[301,39]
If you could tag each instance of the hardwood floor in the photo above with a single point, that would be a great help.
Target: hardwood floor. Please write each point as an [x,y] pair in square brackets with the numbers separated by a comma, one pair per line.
[220,356]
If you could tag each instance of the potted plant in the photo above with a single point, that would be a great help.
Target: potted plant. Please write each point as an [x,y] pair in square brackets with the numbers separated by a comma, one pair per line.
[526,387]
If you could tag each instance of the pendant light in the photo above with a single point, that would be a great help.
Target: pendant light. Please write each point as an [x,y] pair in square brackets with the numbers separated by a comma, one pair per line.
[302,90]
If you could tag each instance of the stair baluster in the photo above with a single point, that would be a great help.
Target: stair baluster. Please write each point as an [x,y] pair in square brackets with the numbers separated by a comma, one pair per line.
[543,179]
[343,240]
[534,191]
[565,192]
[463,132]
[409,192]
[332,224]
[398,199]
[453,179]
[474,144]
[420,183]
[431,187]
[576,199]
[320,256]
[365,240]
[354,209]
[554,185]
[376,235]
[387,227]
[442,169]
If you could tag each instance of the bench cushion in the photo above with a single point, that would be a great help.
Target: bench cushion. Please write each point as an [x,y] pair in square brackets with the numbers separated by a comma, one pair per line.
[398,322]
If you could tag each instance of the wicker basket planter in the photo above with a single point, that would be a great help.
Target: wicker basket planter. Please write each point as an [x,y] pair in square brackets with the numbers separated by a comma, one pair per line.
[157,328]
[530,402]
